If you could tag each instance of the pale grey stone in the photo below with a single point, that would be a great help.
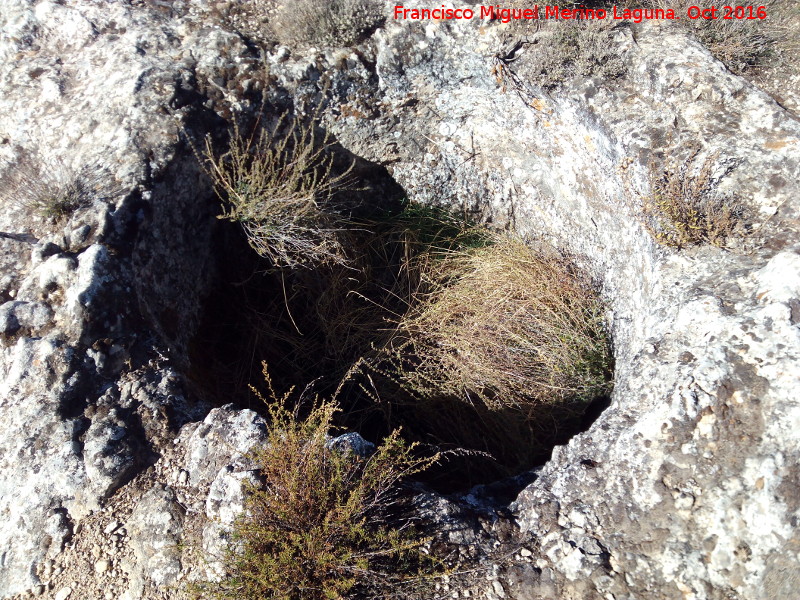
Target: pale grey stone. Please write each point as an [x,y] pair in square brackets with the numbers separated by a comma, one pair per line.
[686,486]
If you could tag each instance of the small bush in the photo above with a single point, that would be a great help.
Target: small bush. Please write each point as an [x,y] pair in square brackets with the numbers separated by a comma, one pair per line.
[505,327]
[324,523]
[686,209]
[331,23]
[279,183]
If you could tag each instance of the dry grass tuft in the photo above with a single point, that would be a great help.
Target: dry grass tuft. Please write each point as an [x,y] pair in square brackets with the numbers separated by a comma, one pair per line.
[505,327]
[53,190]
[324,523]
[278,183]
[686,209]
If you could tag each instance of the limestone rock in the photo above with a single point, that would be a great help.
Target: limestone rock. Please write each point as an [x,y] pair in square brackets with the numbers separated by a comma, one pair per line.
[352,442]
[155,528]
[686,486]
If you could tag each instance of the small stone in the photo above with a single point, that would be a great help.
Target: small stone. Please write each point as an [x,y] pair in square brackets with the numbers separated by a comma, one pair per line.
[101,566]
[183,477]
[47,569]
[38,590]
[526,553]
[112,527]
[63,593]
[498,589]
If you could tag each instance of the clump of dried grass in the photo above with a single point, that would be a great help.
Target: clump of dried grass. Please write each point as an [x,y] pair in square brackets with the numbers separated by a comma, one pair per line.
[502,326]
[53,190]
[278,183]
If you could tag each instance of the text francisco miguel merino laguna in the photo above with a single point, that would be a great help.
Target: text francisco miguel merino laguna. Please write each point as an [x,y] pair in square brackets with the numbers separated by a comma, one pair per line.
[533,12]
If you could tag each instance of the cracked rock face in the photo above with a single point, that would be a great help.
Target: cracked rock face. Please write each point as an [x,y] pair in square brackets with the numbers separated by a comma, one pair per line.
[685,487]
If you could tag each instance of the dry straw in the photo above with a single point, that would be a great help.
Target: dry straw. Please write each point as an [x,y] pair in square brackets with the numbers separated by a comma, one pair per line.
[503,326]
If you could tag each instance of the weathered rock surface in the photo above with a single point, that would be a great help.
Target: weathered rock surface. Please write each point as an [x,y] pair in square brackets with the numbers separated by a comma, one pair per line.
[112,468]
[685,486]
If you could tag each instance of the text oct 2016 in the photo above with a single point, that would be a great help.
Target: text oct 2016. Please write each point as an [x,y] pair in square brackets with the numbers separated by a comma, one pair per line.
[505,15]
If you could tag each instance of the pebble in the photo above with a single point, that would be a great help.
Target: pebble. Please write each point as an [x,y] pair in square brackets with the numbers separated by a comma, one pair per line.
[101,566]
[63,593]
[38,590]
[526,553]
[111,527]
[498,589]
[47,569]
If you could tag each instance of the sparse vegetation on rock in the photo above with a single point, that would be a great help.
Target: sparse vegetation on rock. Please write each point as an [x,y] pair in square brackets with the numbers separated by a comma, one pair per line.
[743,41]
[685,207]
[122,453]
[51,189]
[278,182]
[327,24]
[574,48]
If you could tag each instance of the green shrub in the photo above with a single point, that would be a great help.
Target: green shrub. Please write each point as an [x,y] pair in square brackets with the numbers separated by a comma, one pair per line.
[278,183]
[331,23]
[324,523]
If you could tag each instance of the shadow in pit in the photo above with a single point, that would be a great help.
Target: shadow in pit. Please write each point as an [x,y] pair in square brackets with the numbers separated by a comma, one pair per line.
[312,325]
